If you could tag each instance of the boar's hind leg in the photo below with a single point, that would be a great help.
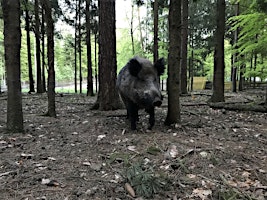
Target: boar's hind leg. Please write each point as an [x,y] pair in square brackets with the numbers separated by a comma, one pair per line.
[132,112]
[151,112]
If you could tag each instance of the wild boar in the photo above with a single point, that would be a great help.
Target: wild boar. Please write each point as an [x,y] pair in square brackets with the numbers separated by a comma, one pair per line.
[139,88]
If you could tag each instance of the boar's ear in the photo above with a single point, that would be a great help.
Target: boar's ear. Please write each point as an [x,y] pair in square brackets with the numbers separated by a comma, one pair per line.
[159,65]
[134,67]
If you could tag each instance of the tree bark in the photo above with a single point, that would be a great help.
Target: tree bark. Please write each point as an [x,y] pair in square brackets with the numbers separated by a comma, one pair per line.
[239,107]
[219,66]
[132,36]
[184,43]
[75,48]
[173,82]
[43,50]
[108,97]
[140,28]
[235,56]
[27,27]
[156,31]
[38,50]
[80,46]
[12,45]
[90,90]
[50,55]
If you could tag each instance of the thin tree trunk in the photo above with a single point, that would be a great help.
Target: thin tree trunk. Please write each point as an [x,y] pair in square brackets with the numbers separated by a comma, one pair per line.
[12,45]
[235,56]
[156,21]
[90,90]
[184,47]
[241,74]
[132,37]
[27,20]
[96,64]
[50,55]
[219,66]
[233,73]
[80,46]
[173,82]
[75,49]
[191,68]
[43,50]
[38,50]
[255,65]
[140,28]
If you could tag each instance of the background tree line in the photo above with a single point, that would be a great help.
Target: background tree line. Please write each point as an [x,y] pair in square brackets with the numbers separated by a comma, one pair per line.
[201,40]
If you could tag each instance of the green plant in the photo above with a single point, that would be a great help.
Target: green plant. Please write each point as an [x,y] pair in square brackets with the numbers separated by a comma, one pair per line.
[144,180]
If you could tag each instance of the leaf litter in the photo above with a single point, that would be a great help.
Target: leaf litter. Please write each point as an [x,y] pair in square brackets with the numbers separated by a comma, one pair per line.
[84,154]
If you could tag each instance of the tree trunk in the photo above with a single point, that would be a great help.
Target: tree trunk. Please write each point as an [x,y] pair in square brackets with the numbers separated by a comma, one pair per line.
[173,82]
[50,55]
[255,66]
[96,75]
[235,56]
[90,90]
[38,50]
[75,49]
[132,36]
[219,66]
[184,42]
[43,50]
[140,29]
[27,27]
[156,30]
[241,74]
[12,44]
[80,46]
[233,73]
[108,98]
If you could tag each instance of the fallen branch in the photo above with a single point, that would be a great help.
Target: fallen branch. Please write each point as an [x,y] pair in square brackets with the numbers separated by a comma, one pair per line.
[194,104]
[239,107]
[6,173]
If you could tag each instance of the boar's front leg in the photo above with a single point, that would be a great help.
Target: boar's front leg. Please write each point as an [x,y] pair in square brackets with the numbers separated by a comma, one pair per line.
[151,112]
[132,113]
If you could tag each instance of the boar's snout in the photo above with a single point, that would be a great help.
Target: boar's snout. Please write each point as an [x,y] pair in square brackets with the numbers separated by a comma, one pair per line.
[157,102]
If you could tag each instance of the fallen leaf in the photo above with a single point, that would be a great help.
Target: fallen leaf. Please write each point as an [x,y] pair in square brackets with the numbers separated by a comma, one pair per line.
[201,193]
[86,163]
[129,189]
[132,148]
[172,152]
[100,137]
[49,182]
[191,176]
[26,155]
[204,154]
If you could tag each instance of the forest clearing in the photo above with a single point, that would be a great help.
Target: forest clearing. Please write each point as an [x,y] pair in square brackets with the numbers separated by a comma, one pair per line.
[86,154]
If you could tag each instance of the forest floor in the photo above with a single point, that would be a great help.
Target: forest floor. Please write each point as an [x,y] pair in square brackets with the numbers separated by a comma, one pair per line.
[85,154]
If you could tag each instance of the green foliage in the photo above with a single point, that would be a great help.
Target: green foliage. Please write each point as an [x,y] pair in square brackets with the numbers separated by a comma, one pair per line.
[144,180]
[124,48]
[252,40]
[208,63]
[252,35]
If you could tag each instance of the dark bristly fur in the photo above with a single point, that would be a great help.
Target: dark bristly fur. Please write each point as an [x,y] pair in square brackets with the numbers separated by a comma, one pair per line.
[138,86]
